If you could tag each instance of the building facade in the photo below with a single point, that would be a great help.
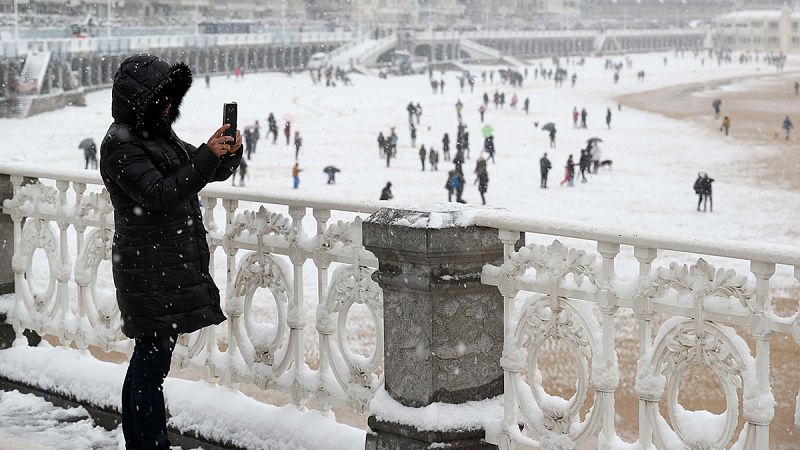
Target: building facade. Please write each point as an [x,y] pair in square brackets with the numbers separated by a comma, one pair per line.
[776,30]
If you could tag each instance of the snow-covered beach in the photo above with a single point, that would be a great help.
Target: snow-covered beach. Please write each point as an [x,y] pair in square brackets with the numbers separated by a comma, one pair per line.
[655,159]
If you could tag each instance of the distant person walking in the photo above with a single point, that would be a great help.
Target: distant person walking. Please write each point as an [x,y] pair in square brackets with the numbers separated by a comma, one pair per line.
[584,115]
[242,173]
[483,184]
[386,192]
[569,172]
[726,125]
[459,109]
[433,159]
[422,155]
[287,131]
[89,153]
[787,127]
[482,111]
[608,118]
[544,167]
[298,143]
[702,187]
[296,174]
[446,147]
[381,144]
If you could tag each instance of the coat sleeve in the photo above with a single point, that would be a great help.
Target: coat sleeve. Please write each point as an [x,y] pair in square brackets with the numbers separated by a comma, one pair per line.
[227,164]
[130,167]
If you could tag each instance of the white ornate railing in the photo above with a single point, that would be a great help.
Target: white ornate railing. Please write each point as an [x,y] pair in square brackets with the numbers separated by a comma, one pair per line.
[576,296]
[68,213]
[687,312]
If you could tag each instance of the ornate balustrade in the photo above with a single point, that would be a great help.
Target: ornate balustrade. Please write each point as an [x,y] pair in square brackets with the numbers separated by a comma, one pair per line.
[576,297]
[266,245]
[305,259]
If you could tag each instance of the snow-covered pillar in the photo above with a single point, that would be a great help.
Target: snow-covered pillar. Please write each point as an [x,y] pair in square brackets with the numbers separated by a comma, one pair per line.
[760,418]
[443,329]
[607,306]
[643,311]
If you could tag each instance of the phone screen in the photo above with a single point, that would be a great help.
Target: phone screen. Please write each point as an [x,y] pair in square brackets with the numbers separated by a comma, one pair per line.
[229,114]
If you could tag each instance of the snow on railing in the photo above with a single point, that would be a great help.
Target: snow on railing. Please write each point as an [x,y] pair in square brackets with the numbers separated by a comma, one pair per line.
[68,213]
[576,294]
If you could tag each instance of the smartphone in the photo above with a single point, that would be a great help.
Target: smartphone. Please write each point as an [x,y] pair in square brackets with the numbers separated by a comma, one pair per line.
[229,113]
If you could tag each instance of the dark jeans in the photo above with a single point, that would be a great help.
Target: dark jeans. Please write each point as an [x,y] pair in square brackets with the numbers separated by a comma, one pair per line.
[144,421]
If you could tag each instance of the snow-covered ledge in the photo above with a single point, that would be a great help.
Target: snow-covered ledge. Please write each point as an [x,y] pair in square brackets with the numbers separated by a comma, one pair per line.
[443,329]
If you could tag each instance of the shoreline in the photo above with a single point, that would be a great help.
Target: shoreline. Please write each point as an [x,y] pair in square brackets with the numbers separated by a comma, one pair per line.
[757,105]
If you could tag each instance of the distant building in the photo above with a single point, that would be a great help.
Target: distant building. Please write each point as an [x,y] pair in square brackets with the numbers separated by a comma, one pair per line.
[776,30]
[665,10]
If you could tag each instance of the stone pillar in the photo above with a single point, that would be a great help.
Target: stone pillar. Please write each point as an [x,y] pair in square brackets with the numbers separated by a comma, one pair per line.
[6,238]
[443,329]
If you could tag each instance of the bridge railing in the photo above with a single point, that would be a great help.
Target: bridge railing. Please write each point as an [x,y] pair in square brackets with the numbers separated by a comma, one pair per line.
[306,318]
[294,278]
[688,313]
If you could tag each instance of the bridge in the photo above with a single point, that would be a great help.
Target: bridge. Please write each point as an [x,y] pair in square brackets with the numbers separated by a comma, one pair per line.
[463,305]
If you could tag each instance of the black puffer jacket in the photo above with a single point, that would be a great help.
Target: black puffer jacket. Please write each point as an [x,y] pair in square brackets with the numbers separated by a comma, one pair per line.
[160,252]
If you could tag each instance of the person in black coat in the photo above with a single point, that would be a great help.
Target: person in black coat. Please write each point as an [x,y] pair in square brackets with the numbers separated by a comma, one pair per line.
[544,167]
[386,192]
[160,254]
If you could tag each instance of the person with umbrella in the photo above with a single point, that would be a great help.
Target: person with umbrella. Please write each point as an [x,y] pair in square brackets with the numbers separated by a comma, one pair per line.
[550,127]
[787,126]
[594,149]
[717,105]
[331,171]
[544,166]
[89,153]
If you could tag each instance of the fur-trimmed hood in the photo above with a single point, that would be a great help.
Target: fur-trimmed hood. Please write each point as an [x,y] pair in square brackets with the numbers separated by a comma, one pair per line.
[143,84]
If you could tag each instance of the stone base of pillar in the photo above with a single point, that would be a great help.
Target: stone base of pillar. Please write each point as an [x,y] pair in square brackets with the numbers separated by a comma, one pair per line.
[393,436]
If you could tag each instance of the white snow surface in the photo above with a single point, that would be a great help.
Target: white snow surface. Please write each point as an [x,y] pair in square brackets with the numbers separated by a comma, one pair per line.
[438,416]
[219,413]
[650,187]
[31,423]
